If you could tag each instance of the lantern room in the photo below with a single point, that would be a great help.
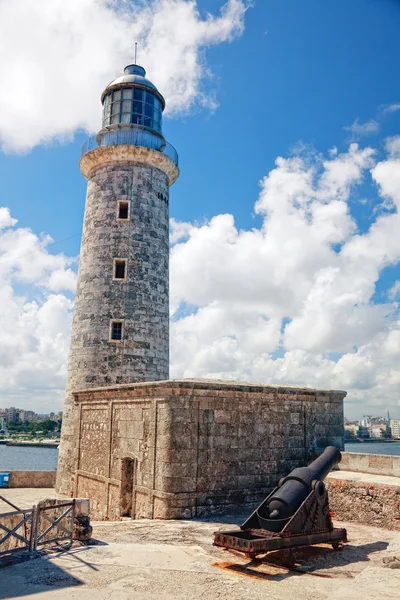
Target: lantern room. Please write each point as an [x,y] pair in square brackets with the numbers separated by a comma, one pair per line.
[132,100]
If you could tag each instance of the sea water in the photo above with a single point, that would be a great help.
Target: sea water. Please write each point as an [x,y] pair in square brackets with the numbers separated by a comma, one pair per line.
[374,448]
[27,458]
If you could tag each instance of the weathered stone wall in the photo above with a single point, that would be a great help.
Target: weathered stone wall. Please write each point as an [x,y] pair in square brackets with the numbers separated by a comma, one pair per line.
[32,479]
[142,301]
[198,446]
[378,464]
[363,502]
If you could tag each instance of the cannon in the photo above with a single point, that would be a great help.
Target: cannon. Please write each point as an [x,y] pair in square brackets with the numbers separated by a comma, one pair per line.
[295,513]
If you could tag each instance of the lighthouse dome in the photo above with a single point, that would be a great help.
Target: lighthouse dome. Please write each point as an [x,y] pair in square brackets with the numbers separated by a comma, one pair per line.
[133,74]
[132,100]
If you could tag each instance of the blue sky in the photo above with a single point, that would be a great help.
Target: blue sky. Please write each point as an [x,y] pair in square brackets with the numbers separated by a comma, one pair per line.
[297,73]
[301,71]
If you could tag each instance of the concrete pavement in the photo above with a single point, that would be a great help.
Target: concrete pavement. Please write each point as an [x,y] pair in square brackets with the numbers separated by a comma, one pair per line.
[24,497]
[175,560]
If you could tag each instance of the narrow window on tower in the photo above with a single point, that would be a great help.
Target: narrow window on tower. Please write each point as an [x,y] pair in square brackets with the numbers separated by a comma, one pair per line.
[119,269]
[116,328]
[123,210]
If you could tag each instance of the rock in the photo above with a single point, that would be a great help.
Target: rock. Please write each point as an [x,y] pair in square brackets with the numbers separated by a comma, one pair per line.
[391,562]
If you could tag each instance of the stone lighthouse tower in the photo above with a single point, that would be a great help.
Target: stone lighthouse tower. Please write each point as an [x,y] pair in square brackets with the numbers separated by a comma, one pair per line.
[120,331]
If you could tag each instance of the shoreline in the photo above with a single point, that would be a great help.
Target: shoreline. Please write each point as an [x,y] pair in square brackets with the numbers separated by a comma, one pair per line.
[372,441]
[31,444]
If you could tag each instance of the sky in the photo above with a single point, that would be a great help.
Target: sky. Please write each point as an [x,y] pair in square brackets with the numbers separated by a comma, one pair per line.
[285,224]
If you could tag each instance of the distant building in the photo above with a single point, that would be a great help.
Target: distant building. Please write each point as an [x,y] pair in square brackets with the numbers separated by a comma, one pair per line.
[17,415]
[13,416]
[377,431]
[366,421]
[351,431]
[25,415]
[369,421]
[395,427]
[363,432]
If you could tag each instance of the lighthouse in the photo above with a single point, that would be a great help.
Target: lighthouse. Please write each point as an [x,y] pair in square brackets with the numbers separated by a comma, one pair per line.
[120,330]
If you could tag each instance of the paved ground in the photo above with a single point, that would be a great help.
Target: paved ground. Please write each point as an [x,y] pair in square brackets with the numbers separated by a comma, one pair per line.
[175,560]
[24,497]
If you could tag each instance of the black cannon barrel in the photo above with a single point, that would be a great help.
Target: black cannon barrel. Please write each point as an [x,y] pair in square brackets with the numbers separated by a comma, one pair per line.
[294,489]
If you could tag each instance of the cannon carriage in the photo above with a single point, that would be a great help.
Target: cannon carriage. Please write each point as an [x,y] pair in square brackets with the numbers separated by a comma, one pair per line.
[296,513]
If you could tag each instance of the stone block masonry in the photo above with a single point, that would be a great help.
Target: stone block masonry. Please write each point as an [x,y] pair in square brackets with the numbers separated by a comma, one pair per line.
[179,449]
[32,479]
[120,330]
[140,301]
[366,502]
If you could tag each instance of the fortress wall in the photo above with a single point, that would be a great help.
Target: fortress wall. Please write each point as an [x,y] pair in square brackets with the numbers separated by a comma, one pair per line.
[32,479]
[365,502]
[379,464]
[197,446]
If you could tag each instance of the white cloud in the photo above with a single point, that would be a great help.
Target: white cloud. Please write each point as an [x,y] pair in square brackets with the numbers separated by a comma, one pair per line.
[178,230]
[64,52]
[393,146]
[394,291]
[292,301]
[361,129]
[391,108]
[25,260]
[6,219]
[289,302]
[387,173]
[34,321]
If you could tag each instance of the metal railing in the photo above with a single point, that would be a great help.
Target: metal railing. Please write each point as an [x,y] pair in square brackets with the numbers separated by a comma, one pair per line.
[56,527]
[134,137]
[50,522]
[16,529]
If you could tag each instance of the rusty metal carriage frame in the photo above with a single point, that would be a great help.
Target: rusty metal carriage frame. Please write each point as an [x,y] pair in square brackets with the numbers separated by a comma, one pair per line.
[311,524]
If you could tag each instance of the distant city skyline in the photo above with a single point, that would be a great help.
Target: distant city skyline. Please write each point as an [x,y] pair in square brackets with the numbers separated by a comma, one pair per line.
[12,414]
[372,417]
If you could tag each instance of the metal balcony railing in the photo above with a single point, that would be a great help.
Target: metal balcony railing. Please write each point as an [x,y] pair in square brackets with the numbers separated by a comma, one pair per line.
[134,137]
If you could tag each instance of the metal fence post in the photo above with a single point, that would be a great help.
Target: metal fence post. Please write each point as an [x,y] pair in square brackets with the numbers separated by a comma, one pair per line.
[35,527]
